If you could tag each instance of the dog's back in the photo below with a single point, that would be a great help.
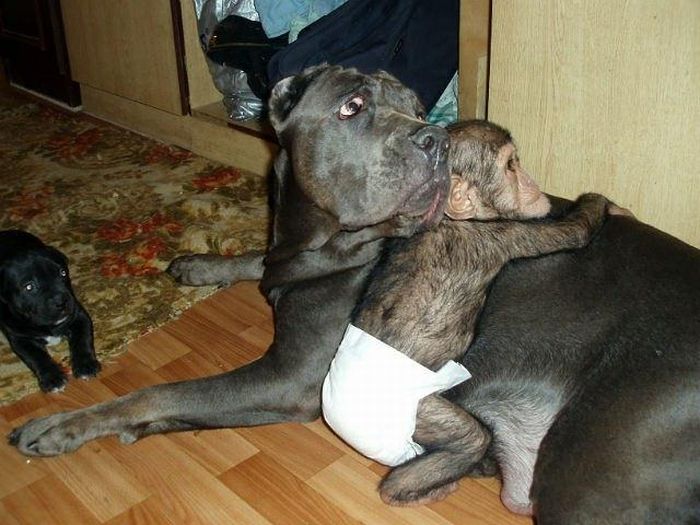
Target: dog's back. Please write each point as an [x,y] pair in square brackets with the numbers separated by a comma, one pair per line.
[619,365]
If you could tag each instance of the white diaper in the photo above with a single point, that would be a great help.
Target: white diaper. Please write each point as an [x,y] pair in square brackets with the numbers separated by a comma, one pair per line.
[371,394]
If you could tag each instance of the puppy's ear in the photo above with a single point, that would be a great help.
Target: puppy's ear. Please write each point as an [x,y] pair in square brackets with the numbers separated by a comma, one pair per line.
[288,92]
[57,256]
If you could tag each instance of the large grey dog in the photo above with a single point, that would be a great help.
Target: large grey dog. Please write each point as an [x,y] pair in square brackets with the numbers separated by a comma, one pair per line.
[596,348]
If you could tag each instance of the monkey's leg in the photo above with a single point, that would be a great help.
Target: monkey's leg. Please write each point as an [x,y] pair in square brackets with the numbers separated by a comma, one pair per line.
[454,441]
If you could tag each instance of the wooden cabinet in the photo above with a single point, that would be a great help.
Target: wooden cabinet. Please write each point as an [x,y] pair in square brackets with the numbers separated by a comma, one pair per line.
[140,66]
[33,50]
[605,96]
[127,48]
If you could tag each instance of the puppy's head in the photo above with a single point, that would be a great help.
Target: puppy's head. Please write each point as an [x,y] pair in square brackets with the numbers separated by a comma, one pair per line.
[35,287]
[359,148]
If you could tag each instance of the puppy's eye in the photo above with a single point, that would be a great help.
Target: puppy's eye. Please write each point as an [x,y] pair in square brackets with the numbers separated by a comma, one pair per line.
[351,108]
[29,287]
[63,273]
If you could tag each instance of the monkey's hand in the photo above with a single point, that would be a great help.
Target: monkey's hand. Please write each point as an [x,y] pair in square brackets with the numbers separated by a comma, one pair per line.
[587,216]
[614,209]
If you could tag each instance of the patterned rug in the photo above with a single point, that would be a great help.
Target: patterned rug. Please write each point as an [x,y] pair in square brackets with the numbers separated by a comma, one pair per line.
[120,206]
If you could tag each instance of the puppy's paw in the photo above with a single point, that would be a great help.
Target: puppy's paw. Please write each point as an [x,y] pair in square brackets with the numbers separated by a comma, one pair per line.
[86,368]
[52,382]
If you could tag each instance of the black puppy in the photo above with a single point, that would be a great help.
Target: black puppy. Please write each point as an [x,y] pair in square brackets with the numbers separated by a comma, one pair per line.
[38,306]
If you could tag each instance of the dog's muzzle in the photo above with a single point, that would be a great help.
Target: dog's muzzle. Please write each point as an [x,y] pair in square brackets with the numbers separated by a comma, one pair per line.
[434,142]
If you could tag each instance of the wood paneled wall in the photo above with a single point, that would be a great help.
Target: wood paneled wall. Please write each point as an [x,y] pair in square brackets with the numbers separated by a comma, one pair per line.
[474,23]
[125,48]
[605,95]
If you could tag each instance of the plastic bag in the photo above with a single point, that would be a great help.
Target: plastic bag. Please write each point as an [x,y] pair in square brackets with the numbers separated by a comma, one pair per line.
[239,100]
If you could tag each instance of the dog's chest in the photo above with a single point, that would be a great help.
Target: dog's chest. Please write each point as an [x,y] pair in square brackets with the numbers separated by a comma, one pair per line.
[52,340]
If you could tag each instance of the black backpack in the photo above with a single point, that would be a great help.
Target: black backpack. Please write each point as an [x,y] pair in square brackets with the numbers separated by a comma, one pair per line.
[417,41]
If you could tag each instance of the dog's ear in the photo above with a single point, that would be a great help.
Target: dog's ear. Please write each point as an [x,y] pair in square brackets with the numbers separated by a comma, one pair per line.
[57,256]
[290,235]
[288,92]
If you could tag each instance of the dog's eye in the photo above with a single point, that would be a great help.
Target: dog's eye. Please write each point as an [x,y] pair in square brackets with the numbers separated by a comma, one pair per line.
[29,287]
[351,108]
[63,273]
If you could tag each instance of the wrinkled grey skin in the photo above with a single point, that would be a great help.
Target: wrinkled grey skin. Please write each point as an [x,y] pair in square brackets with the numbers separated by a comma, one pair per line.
[317,266]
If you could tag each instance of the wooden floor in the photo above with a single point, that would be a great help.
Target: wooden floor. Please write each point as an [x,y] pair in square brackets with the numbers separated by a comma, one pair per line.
[280,474]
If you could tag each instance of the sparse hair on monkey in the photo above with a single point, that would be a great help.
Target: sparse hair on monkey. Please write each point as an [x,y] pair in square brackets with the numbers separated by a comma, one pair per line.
[431,317]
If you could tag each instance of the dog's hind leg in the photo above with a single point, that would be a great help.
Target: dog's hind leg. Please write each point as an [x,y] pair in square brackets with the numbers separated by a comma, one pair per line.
[454,441]
[221,270]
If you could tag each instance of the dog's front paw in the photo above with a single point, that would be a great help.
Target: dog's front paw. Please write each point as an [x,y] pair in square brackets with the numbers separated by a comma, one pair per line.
[52,381]
[86,368]
[46,436]
[197,270]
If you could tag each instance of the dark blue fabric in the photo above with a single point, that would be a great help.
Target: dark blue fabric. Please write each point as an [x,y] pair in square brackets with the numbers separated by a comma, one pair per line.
[417,41]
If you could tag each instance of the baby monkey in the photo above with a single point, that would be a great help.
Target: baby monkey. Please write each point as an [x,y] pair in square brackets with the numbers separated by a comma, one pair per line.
[425,297]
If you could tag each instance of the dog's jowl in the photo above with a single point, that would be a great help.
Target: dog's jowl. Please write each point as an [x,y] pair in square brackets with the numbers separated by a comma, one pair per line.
[38,307]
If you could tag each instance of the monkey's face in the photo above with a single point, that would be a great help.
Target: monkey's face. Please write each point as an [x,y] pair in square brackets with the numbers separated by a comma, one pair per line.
[519,196]
[488,181]
[498,188]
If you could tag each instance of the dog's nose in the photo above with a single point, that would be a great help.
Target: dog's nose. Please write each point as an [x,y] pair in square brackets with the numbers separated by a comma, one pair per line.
[433,140]
[59,302]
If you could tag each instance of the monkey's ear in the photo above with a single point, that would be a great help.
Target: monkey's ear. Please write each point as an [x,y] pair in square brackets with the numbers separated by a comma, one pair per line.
[460,203]
[288,92]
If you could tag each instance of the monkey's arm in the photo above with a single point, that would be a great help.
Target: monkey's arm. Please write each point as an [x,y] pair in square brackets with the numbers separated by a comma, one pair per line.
[574,229]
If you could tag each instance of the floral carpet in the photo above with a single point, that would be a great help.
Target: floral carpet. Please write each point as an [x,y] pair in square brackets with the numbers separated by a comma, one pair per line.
[120,206]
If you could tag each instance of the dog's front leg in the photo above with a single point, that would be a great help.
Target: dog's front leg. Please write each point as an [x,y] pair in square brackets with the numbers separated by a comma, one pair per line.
[212,269]
[33,354]
[283,385]
[82,347]
[251,395]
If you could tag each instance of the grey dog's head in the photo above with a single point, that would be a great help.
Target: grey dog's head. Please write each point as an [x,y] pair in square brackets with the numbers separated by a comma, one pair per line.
[35,287]
[359,147]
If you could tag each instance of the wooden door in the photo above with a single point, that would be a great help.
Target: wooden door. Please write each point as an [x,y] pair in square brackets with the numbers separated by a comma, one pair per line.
[33,48]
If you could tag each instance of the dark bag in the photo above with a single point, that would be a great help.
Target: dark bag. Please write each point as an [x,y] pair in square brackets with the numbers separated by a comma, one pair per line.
[417,41]
[242,44]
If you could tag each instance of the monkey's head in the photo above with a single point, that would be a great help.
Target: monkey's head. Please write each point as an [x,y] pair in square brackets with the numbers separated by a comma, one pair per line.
[488,181]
